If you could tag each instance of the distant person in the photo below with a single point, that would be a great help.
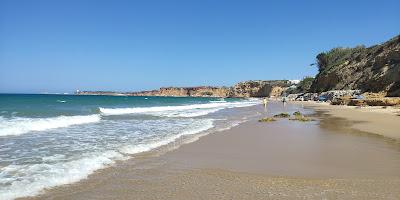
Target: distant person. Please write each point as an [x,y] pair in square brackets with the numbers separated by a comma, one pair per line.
[265,101]
[284,101]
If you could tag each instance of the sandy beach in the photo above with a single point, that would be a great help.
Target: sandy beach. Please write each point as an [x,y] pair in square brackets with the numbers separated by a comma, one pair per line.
[202,100]
[377,120]
[330,158]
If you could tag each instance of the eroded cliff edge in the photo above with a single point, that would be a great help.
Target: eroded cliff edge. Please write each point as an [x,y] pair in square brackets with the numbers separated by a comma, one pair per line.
[373,69]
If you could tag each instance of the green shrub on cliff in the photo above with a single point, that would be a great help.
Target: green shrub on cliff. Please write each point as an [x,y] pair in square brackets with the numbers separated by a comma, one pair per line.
[338,56]
[372,69]
[305,84]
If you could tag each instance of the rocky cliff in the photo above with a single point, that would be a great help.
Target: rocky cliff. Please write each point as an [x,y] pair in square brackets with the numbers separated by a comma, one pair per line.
[259,88]
[211,91]
[242,89]
[372,69]
[202,91]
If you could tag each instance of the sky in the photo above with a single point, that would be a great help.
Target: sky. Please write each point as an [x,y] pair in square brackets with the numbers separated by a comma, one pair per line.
[65,45]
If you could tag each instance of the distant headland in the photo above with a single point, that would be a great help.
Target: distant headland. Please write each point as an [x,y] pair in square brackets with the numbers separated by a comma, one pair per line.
[371,72]
[257,88]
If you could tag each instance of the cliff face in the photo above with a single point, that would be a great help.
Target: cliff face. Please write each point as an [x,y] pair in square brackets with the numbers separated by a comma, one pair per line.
[372,69]
[242,89]
[203,91]
[259,88]
[173,91]
[144,93]
[211,91]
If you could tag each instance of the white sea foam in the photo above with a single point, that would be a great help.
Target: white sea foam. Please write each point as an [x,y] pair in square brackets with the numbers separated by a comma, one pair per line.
[187,113]
[219,101]
[192,110]
[133,149]
[94,146]
[30,180]
[19,125]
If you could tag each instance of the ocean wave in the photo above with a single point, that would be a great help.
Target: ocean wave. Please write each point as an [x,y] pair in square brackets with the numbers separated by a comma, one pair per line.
[218,101]
[134,149]
[192,110]
[30,180]
[19,125]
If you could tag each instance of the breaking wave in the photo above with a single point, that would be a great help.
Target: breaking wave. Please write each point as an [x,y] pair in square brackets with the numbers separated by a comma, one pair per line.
[192,110]
[30,180]
[20,125]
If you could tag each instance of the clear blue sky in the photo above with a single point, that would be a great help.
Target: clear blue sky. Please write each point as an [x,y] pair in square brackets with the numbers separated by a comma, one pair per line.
[60,46]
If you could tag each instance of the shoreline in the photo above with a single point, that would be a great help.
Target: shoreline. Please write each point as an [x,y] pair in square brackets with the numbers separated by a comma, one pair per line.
[122,138]
[238,118]
[227,163]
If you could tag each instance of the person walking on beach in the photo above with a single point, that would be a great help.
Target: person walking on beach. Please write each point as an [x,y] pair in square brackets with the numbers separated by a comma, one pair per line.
[284,101]
[265,101]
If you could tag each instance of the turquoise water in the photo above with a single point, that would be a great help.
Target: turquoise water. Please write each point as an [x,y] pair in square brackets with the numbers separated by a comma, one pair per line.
[38,105]
[50,140]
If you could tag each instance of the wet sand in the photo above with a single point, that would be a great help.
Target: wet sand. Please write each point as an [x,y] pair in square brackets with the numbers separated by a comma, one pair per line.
[384,121]
[324,159]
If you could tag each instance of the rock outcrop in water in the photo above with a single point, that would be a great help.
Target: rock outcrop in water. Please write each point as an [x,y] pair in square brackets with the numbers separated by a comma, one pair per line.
[372,69]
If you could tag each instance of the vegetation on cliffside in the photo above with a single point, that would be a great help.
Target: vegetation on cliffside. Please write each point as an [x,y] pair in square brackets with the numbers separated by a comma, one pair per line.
[302,87]
[327,61]
[372,69]
[305,84]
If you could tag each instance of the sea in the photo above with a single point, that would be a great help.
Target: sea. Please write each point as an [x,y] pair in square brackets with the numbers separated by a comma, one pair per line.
[50,140]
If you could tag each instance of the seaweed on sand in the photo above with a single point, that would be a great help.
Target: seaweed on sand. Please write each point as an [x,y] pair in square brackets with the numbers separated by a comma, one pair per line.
[267,119]
[282,115]
[301,118]
[297,113]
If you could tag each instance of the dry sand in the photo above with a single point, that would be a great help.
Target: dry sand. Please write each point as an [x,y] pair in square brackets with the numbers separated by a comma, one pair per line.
[326,159]
[378,120]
